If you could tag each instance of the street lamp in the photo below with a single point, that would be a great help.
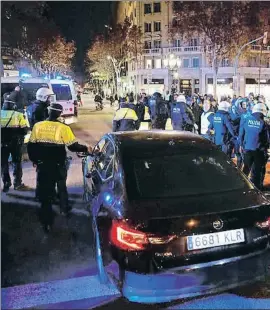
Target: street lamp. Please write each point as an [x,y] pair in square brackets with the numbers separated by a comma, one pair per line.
[172,63]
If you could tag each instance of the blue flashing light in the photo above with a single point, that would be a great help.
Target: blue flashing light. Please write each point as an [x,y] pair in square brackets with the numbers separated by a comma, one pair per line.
[26,75]
[108,198]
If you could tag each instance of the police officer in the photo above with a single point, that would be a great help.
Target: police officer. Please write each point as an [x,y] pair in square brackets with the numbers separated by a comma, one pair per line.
[46,149]
[254,140]
[237,110]
[38,110]
[180,115]
[125,118]
[14,127]
[206,119]
[158,111]
[220,126]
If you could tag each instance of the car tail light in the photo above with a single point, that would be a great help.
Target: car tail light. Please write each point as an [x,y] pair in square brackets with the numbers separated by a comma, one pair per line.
[70,109]
[265,224]
[128,238]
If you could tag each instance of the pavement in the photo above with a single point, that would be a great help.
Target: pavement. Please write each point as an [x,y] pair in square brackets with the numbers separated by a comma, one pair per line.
[60,272]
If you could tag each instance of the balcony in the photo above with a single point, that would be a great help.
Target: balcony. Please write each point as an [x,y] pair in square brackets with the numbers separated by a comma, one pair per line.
[152,51]
[257,48]
[183,49]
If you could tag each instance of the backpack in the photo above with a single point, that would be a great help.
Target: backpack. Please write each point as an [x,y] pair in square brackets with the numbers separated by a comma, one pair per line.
[30,111]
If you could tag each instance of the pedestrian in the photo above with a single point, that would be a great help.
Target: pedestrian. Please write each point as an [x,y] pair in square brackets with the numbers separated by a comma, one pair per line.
[47,151]
[254,140]
[14,127]
[220,126]
[237,110]
[206,118]
[125,118]
[197,111]
[158,111]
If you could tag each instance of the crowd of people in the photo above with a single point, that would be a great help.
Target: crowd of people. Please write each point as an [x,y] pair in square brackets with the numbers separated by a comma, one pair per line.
[238,126]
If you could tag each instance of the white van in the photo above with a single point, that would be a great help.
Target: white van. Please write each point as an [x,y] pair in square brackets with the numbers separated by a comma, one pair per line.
[66,95]
[29,86]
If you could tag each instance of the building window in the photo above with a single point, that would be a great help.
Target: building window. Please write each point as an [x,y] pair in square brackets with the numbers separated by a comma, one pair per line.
[147,27]
[225,62]
[193,42]
[147,45]
[148,63]
[157,26]
[176,43]
[186,63]
[157,7]
[131,16]
[195,62]
[147,8]
[157,44]
[135,13]
[158,63]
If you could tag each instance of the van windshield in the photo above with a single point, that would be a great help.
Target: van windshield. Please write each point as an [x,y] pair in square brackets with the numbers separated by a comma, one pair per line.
[62,91]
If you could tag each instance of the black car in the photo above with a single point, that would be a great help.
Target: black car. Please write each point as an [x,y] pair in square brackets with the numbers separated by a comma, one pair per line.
[173,216]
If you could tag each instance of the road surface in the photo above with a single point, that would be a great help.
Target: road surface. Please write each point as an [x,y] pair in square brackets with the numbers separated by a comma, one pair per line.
[67,257]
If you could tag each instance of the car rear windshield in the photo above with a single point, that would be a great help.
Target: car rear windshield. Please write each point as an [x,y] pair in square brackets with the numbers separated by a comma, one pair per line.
[194,172]
[62,91]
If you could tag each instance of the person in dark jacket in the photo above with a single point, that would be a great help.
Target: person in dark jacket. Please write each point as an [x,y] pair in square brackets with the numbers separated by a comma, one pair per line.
[220,126]
[125,119]
[237,110]
[197,112]
[38,110]
[14,127]
[254,140]
[158,111]
[181,116]
[47,150]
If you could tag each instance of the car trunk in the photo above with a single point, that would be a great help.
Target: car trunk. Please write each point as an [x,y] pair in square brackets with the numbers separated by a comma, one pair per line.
[202,229]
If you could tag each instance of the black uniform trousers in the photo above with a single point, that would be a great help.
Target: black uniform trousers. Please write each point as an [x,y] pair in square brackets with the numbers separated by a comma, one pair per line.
[50,175]
[13,148]
[256,161]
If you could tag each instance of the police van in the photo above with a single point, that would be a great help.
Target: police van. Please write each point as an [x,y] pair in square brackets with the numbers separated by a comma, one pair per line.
[63,89]
[66,95]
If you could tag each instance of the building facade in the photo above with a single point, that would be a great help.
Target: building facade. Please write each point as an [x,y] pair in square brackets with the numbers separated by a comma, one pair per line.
[194,74]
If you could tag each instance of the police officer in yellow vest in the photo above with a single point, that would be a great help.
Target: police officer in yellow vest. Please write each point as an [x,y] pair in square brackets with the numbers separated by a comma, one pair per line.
[47,150]
[14,127]
[125,118]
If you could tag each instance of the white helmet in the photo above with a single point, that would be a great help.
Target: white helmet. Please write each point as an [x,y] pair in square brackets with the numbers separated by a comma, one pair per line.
[43,93]
[181,98]
[224,106]
[259,108]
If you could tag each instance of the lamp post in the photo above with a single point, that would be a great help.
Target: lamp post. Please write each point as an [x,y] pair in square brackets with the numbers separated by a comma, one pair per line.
[172,63]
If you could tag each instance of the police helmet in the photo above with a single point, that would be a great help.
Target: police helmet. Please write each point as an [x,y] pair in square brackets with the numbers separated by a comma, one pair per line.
[181,98]
[156,95]
[259,108]
[224,106]
[43,94]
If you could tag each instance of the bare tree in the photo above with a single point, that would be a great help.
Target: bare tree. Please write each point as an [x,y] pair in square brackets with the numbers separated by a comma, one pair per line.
[223,26]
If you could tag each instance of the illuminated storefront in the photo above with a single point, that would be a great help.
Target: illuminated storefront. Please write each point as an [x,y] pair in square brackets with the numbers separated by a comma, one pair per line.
[262,88]
[224,87]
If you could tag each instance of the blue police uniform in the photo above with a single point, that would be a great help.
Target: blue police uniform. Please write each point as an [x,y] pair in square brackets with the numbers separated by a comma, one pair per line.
[179,116]
[254,138]
[222,127]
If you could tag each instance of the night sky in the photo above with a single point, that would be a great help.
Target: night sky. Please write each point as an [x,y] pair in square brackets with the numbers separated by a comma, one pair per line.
[81,21]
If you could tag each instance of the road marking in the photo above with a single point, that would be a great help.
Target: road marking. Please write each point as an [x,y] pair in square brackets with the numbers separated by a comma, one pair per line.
[38,294]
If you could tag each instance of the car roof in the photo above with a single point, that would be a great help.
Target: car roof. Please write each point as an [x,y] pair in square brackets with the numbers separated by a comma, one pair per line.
[17,79]
[133,138]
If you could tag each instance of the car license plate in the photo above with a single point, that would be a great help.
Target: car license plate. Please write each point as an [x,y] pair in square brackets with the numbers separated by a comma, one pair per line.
[228,237]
